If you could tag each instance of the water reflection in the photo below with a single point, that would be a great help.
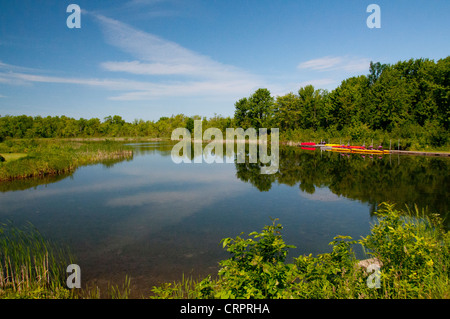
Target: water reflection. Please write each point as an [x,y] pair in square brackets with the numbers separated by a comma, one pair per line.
[405,180]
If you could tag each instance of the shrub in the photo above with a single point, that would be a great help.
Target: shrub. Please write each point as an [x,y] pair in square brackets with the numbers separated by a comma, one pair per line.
[413,252]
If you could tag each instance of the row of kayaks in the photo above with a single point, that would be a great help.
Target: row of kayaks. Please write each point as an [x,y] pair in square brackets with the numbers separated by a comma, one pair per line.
[343,148]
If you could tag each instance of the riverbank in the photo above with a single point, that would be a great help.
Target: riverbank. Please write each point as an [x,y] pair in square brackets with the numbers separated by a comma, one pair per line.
[45,157]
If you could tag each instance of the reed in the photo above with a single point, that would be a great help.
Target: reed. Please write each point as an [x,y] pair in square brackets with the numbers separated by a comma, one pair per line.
[30,265]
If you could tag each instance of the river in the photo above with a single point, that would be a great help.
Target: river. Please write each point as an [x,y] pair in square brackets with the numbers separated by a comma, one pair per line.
[154,220]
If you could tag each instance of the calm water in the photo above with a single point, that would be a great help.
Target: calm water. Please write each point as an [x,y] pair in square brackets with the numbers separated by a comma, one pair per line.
[154,220]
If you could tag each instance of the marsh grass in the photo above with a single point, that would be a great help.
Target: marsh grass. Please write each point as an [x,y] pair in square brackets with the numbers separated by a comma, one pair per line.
[186,288]
[33,267]
[13,156]
[30,265]
[51,157]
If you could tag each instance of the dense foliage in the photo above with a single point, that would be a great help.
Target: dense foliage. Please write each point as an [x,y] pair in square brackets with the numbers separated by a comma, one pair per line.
[408,100]
[24,126]
[412,254]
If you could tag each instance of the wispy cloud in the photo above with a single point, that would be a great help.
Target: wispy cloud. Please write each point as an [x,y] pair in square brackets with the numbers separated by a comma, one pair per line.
[333,63]
[158,56]
[138,90]
[321,64]
[197,74]
[15,68]
[190,72]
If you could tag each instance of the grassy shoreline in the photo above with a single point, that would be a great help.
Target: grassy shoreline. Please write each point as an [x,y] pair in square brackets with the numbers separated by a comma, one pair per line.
[45,157]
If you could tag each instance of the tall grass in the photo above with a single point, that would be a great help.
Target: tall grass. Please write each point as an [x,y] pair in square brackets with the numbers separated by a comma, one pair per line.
[30,265]
[50,157]
[33,267]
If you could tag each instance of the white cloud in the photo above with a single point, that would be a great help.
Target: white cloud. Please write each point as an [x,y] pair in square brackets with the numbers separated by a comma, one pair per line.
[15,68]
[190,73]
[340,63]
[159,56]
[321,63]
[139,90]
[137,67]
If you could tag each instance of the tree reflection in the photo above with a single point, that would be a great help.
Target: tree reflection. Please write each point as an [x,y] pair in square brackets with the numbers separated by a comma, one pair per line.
[405,180]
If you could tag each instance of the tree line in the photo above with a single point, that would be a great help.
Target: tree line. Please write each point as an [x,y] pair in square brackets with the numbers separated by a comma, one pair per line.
[408,100]
[24,126]
[405,98]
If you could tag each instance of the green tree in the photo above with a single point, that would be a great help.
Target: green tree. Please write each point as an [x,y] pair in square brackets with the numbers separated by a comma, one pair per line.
[261,108]
[241,113]
[190,124]
[287,112]
[347,101]
[375,71]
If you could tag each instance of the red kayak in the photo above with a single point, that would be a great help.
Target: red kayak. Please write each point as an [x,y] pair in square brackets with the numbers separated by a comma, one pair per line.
[308,148]
[308,143]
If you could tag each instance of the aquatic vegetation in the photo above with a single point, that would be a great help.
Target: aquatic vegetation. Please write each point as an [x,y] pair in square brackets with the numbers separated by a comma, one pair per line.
[50,157]
[30,265]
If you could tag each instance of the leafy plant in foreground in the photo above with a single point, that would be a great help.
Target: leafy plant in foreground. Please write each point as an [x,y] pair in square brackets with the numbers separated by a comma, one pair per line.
[413,252]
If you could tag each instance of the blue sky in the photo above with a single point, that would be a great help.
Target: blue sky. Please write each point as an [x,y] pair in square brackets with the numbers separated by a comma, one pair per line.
[143,59]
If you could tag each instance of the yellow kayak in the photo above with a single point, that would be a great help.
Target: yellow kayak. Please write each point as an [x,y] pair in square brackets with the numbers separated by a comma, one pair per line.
[341,150]
[371,151]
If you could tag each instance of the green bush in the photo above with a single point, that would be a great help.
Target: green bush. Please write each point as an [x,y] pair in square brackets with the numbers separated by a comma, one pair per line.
[413,252]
